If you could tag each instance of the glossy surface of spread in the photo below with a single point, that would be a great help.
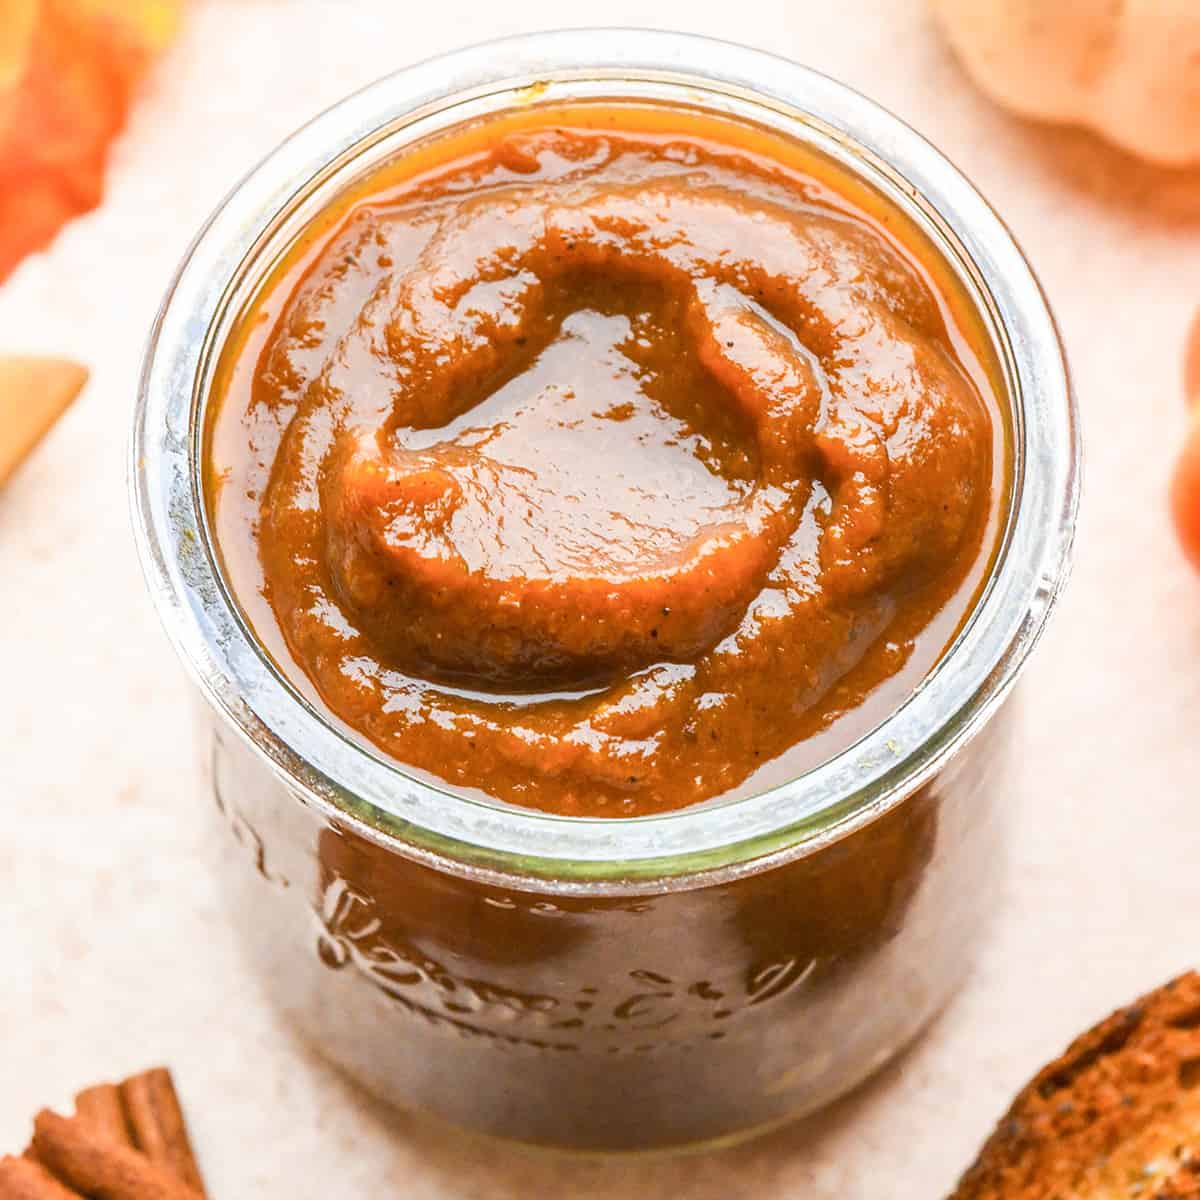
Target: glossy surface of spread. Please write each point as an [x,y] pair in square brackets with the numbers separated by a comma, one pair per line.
[606,461]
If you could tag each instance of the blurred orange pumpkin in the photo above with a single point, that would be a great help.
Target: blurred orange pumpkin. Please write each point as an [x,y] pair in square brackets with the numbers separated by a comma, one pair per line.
[1131,72]
[68,70]
[1185,486]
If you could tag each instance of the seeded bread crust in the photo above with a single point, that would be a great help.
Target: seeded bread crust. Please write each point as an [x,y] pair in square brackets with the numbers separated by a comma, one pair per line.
[1117,1117]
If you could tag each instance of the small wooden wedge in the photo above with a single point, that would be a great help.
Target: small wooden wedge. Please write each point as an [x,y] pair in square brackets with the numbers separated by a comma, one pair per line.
[34,393]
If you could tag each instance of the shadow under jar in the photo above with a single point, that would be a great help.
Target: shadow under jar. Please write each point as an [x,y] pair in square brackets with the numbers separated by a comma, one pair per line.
[627,961]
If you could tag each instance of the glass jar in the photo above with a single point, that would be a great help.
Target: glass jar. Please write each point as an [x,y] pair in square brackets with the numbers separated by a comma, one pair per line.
[606,984]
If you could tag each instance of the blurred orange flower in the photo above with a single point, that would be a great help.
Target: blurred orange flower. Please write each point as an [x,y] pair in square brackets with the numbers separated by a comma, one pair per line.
[68,70]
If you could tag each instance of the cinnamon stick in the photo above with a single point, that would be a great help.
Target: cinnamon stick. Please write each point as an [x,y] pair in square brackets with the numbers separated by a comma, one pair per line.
[82,1155]
[102,1106]
[159,1131]
[24,1179]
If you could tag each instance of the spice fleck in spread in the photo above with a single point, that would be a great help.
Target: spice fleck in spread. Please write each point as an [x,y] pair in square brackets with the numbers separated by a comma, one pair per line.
[607,460]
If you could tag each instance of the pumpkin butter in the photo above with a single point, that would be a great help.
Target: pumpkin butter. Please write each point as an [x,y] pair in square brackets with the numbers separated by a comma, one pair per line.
[607,459]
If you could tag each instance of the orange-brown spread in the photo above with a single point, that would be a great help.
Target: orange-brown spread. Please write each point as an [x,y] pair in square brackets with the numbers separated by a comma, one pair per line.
[599,457]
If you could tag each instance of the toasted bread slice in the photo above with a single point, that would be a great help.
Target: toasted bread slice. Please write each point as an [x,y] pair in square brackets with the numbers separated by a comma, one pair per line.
[1117,1117]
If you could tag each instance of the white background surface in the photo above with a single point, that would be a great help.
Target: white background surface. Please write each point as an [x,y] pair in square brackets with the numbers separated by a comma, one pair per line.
[115,951]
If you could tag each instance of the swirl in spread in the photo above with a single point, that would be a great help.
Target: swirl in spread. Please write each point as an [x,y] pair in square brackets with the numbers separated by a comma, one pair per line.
[597,486]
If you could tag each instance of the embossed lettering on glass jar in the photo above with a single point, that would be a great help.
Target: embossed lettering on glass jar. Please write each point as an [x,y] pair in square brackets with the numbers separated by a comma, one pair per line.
[606,983]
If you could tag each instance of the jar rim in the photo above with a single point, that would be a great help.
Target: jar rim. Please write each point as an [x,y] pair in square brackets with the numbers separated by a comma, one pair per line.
[720,838]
